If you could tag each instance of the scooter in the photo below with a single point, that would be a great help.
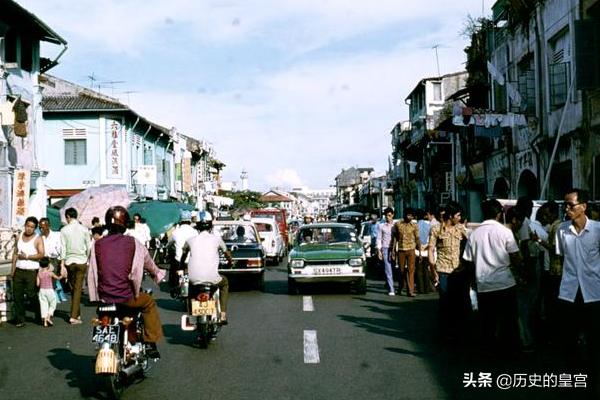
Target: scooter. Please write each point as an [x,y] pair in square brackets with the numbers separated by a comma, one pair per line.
[203,310]
[122,355]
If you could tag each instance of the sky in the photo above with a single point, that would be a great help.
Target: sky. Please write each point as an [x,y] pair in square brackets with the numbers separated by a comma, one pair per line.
[292,91]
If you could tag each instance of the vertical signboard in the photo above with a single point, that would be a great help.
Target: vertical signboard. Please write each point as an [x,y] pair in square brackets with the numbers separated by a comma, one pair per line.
[186,166]
[20,197]
[114,150]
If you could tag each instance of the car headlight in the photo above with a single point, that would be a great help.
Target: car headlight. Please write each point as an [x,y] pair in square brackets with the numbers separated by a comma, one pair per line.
[297,263]
[355,262]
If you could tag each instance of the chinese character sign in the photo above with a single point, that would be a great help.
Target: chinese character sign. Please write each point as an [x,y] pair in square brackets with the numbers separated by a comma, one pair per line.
[114,152]
[20,203]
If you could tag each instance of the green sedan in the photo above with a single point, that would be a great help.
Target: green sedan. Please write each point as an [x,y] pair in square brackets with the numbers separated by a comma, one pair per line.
[327,252]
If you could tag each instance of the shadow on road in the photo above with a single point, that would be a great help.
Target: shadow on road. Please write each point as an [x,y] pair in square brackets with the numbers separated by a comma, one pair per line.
[80,370]
[415,323]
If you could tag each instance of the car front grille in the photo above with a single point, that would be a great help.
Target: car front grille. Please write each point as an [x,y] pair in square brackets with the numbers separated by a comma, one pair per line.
[326,262]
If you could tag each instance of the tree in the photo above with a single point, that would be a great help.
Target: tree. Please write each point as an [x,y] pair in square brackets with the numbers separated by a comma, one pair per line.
[246,199]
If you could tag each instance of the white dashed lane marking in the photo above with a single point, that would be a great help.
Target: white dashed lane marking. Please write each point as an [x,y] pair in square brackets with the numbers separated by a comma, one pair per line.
[311,348]
[307,304]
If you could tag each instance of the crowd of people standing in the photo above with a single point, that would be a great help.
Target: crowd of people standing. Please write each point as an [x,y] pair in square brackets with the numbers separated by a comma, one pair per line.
[533,281]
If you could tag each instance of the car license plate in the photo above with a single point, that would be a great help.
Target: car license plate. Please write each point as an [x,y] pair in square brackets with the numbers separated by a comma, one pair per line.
[105,334]
[203,307]
[327,271]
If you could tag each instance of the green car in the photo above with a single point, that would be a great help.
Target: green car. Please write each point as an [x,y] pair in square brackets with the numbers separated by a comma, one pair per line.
[327,252]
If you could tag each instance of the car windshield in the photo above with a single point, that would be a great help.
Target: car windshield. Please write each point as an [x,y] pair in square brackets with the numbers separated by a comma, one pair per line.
[277,216]
[262,227]
[326,235]
[236,233]
[366,230]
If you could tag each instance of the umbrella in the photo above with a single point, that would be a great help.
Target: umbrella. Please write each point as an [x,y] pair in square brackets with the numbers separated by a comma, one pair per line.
[94,201]
[160,216]
[53,216]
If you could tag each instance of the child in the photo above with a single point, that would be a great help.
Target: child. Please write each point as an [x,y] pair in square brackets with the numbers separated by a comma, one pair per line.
[47,296]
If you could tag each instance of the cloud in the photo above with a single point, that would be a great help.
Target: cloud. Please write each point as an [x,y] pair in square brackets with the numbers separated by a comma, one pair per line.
[284,178]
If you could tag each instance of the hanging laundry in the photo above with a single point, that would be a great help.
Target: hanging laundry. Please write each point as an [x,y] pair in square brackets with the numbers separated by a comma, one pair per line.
[21,129]
[495,73]
[20,110]
[8,116]
[494,131]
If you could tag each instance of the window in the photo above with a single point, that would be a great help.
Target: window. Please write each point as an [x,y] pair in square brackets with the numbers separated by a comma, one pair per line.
[526,84]
[559,78]
[26,53]
[75,146]
[437,91]
[10,46]
[559,66]
[148,155]
[75,152]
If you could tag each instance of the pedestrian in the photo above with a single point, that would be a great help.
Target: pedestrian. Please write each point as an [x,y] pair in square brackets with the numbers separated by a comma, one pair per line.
[29,249]
[142,229]
[96,222]
[178,238]
[52,249]
[578,243]
[494,251]
[47,296]
[593,212]
[450,275]
[405,239]
[74,256]
[549,279]
[384,249]
[423,276]
[373,229]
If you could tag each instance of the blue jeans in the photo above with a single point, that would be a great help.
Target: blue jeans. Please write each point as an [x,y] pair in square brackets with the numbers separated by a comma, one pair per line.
[387,265]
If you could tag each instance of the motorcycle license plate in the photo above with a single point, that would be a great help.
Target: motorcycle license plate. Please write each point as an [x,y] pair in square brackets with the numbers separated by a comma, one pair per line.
[327,271]
[203,307]
[105,334]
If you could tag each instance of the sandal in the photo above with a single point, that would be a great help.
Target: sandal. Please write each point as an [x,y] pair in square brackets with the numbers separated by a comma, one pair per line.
[74,321]
[20,324]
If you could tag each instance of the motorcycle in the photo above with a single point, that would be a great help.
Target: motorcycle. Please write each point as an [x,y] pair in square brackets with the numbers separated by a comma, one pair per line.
[117,333]
[203,310]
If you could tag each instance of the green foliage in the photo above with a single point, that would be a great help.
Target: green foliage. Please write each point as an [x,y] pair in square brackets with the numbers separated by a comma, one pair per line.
[246,199]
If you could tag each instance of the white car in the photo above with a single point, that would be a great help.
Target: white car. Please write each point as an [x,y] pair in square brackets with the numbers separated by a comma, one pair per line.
[272,240]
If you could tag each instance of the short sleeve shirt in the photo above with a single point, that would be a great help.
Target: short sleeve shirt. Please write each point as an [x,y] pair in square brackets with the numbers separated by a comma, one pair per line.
[204,257]
[446,241]
[489,247]
[405,233]
[581,266]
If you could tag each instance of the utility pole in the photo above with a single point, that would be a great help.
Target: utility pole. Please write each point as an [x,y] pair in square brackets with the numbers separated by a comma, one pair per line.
[437,61]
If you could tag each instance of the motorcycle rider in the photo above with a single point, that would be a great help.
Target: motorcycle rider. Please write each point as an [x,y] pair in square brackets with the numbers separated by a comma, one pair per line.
[116,272]
[178,238]
[203,265]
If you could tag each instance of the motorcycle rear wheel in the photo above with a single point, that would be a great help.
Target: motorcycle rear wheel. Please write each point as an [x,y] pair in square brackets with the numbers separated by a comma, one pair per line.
[114,385]
[203,335]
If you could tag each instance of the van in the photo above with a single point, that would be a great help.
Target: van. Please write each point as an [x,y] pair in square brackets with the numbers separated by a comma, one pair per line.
[279,216]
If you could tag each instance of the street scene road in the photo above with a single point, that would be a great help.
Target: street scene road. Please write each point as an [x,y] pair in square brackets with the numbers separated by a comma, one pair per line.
[372,347]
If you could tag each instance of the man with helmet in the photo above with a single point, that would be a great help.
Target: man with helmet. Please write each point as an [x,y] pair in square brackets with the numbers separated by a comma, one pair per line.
[116,273]
[203,265]
[178,238]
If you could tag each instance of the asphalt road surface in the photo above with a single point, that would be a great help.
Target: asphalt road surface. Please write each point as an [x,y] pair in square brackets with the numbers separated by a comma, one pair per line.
[326,343]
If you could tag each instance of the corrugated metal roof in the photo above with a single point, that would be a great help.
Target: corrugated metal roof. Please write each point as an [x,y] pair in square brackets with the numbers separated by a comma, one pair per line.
[81,102]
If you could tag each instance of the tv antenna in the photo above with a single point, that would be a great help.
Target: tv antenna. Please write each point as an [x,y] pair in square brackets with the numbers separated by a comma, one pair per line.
[127,93]
[112,85]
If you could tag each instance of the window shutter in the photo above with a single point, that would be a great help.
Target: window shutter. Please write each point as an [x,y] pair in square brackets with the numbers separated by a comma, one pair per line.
[587,62]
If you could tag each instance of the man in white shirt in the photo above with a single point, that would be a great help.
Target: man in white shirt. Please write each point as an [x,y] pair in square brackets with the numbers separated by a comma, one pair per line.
[578,244]
[494,250]
[178,238]
[203,265]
